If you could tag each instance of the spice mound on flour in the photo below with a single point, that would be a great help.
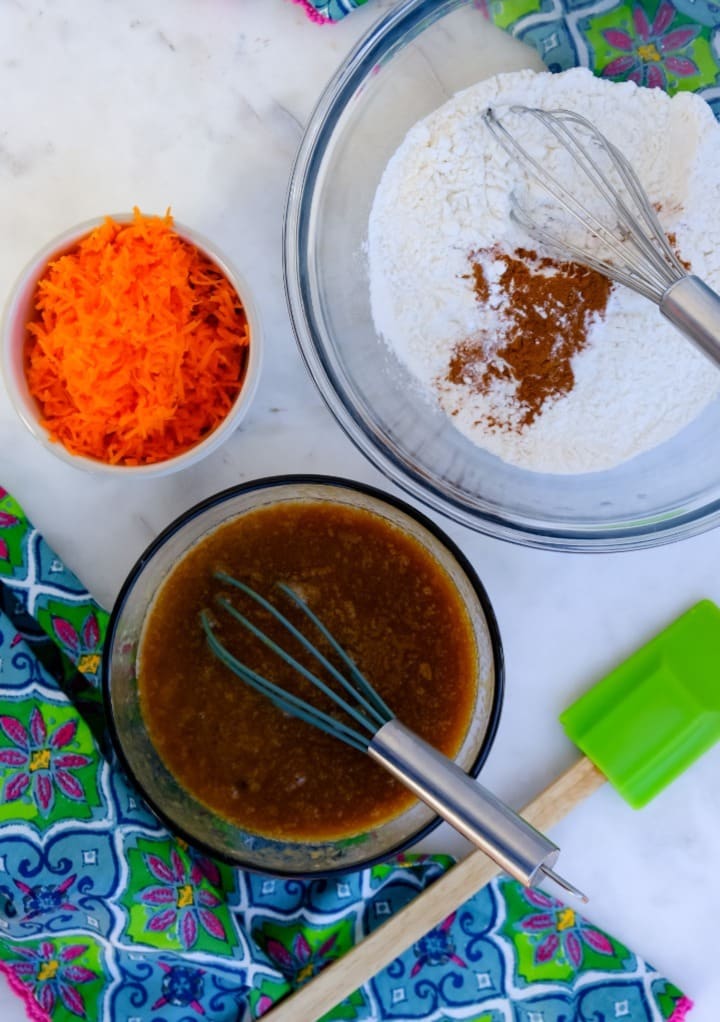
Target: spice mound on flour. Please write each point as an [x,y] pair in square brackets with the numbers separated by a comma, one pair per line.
[544,309]
[550,371]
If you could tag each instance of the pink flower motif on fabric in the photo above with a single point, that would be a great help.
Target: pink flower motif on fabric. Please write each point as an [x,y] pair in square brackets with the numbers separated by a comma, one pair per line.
[181,902]
[654,51]
[36,763]
[560,933]
[50,977]
[300,962]
[82,647]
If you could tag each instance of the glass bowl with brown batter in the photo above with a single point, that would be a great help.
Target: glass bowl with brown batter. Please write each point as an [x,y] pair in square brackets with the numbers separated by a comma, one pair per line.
[225,769]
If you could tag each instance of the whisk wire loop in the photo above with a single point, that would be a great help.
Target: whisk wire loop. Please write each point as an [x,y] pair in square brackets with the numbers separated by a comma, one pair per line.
[373,697]
[280,697]
[565,249]
[295,664]
[637,252]
[377,707]
[655,248]
[550,183]
[579,154]
[556,122]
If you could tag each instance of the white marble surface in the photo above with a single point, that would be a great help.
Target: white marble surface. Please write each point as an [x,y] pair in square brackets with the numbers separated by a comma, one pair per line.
[199,104]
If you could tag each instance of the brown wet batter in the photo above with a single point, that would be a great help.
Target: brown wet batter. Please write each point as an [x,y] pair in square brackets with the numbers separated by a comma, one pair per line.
[388,603]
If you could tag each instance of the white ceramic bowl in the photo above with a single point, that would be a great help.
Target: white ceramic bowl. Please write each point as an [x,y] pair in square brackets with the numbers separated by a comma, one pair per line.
[18,313]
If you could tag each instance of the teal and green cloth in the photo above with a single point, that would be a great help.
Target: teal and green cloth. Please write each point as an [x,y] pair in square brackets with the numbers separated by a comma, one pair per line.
[105,916]
[668,44]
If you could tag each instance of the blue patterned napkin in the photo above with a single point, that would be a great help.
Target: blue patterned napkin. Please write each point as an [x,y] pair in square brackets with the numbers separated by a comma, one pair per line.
[104,915]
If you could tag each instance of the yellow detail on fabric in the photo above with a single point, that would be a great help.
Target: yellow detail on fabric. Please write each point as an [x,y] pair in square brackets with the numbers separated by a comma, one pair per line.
[185,896]
[88,663]
[566,919]
[40,760]
[48,970]
[648,51]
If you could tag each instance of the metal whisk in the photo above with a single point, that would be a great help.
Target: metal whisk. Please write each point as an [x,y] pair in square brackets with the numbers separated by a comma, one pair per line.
[371,727]
[619,233]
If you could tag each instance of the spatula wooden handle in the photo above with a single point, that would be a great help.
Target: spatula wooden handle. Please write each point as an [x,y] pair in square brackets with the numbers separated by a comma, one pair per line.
[429,909]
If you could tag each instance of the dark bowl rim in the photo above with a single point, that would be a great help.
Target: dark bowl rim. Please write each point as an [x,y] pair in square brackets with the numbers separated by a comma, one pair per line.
[269,482]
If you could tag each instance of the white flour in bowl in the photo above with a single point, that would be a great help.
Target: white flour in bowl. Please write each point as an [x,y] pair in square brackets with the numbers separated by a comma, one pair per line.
[446,194]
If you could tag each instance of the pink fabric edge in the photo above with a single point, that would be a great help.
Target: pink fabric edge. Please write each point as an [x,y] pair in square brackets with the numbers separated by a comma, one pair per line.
[682,1008]
[314,14]
[33,1009]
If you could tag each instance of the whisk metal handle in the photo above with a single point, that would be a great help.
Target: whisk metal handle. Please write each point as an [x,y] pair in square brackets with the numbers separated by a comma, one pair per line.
[694,308]
[516,846]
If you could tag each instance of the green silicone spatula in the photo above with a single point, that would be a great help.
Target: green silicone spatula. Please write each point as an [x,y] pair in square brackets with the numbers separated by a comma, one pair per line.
[638,728]
[658,711]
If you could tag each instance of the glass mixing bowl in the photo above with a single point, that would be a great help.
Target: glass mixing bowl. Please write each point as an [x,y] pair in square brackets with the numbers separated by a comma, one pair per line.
[187,816]
[408,65]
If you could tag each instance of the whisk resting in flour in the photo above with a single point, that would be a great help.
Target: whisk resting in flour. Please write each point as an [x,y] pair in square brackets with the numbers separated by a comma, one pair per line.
[611,226]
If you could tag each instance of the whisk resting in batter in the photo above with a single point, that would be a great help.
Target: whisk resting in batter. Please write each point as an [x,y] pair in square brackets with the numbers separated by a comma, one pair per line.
[370,726]
[611,226]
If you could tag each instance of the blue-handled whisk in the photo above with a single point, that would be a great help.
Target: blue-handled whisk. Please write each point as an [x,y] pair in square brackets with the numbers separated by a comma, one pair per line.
[371,727]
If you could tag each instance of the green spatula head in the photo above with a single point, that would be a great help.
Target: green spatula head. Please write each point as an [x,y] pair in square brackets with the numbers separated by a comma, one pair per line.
[657,712]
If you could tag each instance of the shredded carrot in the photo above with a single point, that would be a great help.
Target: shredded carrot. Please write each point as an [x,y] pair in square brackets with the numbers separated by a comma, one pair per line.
[138,346]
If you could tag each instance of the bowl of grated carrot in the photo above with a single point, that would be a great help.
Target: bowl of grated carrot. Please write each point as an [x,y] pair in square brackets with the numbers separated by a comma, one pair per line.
[130,345]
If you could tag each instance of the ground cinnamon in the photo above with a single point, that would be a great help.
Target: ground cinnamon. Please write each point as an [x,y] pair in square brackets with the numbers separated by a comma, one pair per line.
[545,308]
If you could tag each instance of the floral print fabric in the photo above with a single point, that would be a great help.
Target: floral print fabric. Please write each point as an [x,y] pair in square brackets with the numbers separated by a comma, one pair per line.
[666,44]
[105,916]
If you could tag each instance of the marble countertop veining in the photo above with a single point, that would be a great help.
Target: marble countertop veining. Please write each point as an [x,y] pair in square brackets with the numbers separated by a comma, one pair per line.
[199,104]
